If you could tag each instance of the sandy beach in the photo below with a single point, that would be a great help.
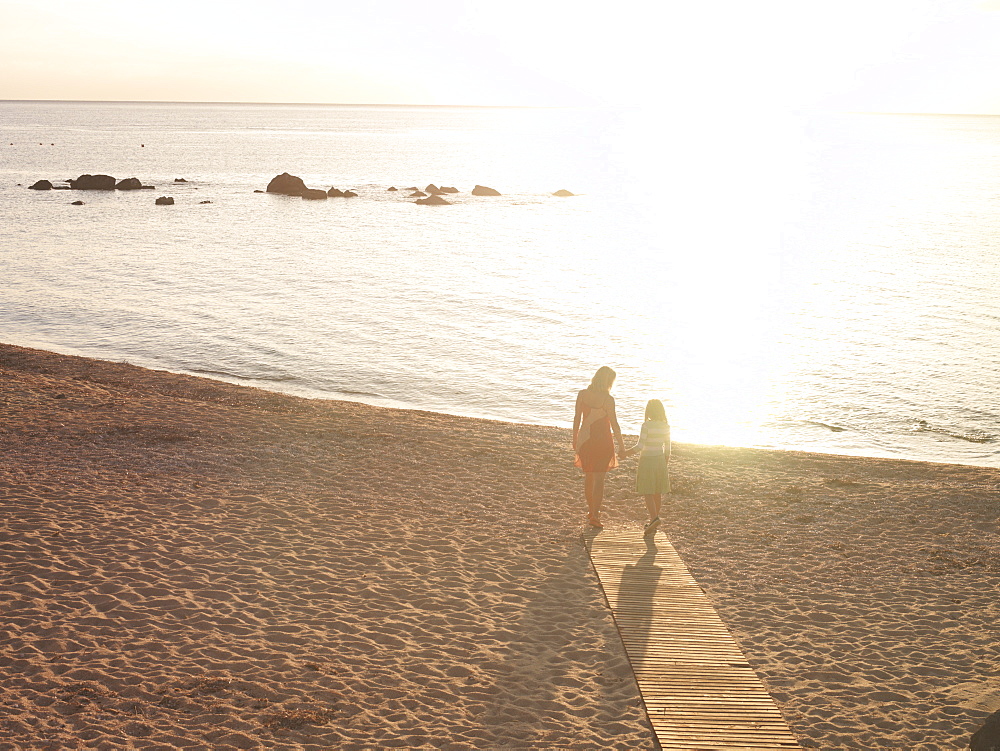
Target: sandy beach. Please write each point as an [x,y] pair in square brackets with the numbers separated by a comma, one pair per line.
[192,564]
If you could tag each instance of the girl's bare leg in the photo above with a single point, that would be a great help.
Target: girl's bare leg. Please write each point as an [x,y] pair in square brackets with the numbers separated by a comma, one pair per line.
[653,505]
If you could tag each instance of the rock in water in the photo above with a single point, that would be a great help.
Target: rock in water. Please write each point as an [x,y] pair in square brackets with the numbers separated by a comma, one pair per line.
[93,182]
[179,180]
[314,194]
[445,189]
[417,194]
[433,190]
[165,201]
[350,194]
[287,185]
[987,738]
[334,193]
[388,189]
[77,203]
[41,185]
[563,193]
[129,183]
[482,190]
[434,200]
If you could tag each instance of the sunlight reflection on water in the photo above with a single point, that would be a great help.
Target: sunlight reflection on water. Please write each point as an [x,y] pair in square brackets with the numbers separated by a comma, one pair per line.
[770,280]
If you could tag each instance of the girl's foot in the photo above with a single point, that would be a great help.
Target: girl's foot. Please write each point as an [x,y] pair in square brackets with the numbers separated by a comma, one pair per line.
[595,521]
[651,528]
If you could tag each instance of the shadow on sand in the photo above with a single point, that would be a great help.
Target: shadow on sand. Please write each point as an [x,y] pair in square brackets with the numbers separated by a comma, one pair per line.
[565,681]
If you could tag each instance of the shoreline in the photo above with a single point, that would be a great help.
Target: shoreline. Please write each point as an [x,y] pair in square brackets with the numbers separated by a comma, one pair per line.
[191,562]
[385,403]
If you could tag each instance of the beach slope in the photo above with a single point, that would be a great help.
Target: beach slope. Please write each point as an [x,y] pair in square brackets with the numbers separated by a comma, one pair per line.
[189,563]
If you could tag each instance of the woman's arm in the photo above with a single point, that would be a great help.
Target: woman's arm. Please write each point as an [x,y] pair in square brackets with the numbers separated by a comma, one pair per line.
[617,431]
[577,417]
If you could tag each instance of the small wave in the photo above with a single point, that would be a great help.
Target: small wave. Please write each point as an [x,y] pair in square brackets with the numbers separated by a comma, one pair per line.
[358,393]
[972,436]
[833,428]
[243,377]
[224,374]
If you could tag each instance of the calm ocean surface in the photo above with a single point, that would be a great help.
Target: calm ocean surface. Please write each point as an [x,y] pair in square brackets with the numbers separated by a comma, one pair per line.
[825,283]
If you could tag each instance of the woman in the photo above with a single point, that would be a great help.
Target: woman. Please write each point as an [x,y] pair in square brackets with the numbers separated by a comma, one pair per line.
[593,425]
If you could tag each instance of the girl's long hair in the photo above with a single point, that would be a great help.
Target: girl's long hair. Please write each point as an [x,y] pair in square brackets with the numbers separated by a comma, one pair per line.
[655,410]
[603,379]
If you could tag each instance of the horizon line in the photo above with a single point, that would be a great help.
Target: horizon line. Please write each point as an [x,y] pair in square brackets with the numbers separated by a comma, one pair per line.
[923,114]
[299,104]
[446,106]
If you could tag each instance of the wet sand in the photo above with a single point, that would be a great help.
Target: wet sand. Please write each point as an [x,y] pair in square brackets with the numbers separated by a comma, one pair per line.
[192,564]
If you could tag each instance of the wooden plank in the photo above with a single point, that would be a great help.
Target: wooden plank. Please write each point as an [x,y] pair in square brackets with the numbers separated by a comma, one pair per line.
[731,716]
[699,691]
[717,693]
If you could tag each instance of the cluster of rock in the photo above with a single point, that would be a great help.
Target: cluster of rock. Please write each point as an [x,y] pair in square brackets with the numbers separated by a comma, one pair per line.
[431,190]
[94,182]
[284,184]
[290,185]
[102,182]
[431,195]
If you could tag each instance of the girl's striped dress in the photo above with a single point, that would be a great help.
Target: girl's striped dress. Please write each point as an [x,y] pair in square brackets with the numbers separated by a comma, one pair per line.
[652,477]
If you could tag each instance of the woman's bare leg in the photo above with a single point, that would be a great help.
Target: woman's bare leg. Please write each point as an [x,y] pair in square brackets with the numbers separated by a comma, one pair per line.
[593,490]
[597,493]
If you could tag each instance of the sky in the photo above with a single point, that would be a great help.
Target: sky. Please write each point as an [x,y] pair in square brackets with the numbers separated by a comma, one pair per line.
[855,55]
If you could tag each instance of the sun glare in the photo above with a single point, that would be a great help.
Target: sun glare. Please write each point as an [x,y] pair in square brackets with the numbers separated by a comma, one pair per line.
[919,55]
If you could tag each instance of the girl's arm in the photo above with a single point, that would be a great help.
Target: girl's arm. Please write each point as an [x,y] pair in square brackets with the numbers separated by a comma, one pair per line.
[638,445]
[614,426]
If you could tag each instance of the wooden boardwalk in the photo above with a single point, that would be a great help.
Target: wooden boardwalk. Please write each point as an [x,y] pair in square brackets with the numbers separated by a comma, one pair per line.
[700,692]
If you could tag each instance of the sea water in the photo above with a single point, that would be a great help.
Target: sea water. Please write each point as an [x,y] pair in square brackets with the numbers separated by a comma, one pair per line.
[817,282]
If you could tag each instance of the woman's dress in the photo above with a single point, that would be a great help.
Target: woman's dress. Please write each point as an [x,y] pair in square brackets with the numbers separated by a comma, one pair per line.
[595,446]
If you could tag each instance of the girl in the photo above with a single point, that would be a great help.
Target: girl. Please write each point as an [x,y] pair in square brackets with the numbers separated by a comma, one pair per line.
[652,479]
[593,425]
